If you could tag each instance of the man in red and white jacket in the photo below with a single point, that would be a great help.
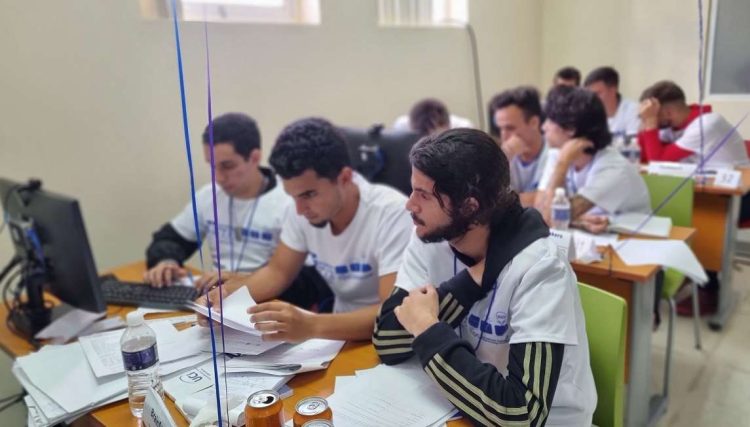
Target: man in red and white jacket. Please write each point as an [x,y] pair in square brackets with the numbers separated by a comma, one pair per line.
[670,131]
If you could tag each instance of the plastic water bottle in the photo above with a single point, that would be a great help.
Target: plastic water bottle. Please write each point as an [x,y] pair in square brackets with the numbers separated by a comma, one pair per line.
[141,360]
[560,210]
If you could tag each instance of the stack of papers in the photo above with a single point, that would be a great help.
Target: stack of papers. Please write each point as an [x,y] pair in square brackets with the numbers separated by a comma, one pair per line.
[642,224]
[370,399]
[235,311]
[287,359]
[194,390]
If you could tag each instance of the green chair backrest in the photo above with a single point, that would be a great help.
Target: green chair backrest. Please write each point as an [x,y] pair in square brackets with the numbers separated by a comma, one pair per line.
[606,324]
[680,206]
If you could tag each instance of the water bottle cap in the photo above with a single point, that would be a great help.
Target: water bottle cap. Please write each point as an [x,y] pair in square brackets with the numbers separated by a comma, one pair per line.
[134,318]
[559,191]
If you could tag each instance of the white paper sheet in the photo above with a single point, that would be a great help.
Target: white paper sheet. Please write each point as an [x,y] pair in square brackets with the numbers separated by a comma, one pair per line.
[668,253]
[235,311]
[633,222]
[69,325]
[310,355]
[54,371]
[104,325]
[235,342]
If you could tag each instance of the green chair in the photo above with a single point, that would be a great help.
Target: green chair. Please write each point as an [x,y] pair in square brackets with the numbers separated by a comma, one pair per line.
[606,325]
[680,209]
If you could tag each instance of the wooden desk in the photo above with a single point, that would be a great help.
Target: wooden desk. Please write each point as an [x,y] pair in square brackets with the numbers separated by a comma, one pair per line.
[354,356]
[716,213]
[636,284]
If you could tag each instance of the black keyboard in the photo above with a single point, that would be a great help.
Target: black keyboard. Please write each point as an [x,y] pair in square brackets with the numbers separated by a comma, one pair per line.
[142,295]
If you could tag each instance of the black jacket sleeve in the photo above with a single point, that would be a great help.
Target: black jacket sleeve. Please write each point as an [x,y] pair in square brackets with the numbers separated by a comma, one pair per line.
[393,343]
[477,389]
[167,243]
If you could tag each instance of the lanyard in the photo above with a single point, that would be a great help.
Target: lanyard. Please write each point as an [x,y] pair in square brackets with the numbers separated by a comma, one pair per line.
[235,265]
[486,315]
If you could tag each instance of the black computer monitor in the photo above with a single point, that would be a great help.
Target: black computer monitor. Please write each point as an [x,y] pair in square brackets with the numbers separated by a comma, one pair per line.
[382,155]
[65,264]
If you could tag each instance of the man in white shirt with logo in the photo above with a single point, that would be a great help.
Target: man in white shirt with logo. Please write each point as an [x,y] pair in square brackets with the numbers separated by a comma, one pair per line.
[517,116]
[597,179]
[250,204]
[355,231]
[622,113]
[503,334]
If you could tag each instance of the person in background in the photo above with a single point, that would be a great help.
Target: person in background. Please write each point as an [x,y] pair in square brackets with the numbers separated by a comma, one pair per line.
[516,124]
[355,232]
[250,204]
[431,109]
[567,76]
[622,113]
[671,132]
[503,333]
[596,178]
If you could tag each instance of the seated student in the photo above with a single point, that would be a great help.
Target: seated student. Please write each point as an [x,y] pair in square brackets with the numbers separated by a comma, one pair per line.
[622,114]
[503,335]
[516,119]
[670,131]
[408,122]
[598,180]
[567,76]
[356,233]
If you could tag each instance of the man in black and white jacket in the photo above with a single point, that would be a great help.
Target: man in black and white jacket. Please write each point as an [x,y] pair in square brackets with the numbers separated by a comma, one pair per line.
[503,334]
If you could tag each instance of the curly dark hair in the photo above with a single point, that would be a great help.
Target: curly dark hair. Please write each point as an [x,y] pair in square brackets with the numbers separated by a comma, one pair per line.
[582,111]
[238,129]
[466,163]
[310,143]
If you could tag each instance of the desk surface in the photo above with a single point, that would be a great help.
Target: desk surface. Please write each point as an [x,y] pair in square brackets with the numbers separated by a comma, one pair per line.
[612,265]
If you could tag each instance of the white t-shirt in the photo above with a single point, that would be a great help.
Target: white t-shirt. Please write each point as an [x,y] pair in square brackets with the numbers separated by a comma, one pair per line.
[609,181]
[402,122]
[715,128]
[626,120]
[526,177]
[536,300]
[249,239]
[371,246]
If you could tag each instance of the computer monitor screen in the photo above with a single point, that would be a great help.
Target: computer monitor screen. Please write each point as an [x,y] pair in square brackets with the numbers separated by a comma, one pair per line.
[57,221]
[382,155]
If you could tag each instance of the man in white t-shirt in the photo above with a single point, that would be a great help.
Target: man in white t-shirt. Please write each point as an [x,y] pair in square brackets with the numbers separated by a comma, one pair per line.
[517,116]
[249,204]
[355,232]
[672,130]
[622,114]
[503,334]
[429,115]
[597,179]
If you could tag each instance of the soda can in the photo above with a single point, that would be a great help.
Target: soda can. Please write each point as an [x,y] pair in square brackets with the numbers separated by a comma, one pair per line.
[318,423]
[264,409]
[311,408]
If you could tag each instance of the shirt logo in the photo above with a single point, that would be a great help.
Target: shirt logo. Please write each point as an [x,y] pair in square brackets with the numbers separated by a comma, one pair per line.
[350,270]
[493,331]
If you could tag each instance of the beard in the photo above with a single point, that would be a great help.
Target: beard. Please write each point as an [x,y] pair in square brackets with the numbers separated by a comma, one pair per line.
[458,226]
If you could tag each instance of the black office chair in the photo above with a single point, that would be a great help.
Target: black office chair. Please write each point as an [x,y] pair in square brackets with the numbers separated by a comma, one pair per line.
[382,155]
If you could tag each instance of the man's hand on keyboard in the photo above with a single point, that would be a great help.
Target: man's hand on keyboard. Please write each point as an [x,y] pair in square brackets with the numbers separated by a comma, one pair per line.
[209,280]
[164,274]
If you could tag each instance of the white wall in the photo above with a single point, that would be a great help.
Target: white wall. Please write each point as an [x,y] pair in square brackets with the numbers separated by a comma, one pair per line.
[90,101]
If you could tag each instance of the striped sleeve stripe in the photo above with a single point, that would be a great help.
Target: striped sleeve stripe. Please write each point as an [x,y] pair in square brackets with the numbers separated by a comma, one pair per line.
[447,300]
[392,342]
[468,389]
[449,310]
[390,351]
[455,314]
[458,403]
[393,333]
